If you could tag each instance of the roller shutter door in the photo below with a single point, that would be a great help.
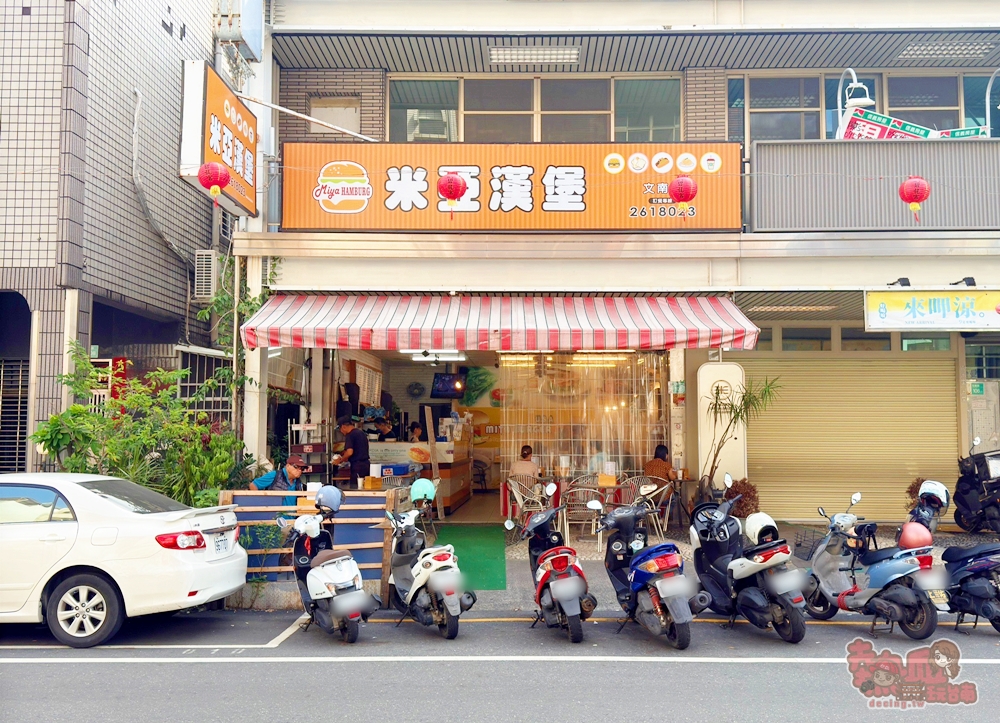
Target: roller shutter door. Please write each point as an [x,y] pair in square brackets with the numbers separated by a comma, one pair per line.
[842,425]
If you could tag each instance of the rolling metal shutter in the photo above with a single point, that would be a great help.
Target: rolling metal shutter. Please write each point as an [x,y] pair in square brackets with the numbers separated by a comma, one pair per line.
[842,425]
[13,414]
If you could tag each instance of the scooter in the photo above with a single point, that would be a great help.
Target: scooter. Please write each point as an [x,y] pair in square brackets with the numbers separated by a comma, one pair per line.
[973,573]
[425,582]
[329,579]
[977,492]
[757,582]
[560,585]
[650,583]
[897,585]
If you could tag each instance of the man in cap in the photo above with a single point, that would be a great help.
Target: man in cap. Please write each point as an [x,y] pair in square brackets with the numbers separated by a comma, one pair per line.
[284,478]
[355,449]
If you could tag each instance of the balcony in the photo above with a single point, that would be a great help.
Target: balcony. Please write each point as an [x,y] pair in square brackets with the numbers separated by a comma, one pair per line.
[825,186]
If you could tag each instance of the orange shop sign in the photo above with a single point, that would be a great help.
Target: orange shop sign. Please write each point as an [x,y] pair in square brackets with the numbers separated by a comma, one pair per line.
[529,187]
[217,126]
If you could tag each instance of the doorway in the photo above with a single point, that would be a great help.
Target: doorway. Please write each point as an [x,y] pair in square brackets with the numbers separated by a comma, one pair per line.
[15,352]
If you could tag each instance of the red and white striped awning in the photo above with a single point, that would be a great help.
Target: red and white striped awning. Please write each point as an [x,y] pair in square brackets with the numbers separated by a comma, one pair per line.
[499,323]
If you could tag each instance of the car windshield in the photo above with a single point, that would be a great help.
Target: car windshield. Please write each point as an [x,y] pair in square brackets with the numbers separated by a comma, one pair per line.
[133,497]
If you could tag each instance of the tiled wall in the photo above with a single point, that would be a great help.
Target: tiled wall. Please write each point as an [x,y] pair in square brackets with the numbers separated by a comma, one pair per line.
[297,87]
[705,102]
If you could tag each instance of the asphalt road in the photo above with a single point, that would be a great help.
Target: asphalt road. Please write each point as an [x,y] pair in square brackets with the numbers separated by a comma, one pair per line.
[239,666]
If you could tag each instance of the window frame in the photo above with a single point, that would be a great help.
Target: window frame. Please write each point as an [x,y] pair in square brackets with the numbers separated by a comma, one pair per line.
[536,112]
[58,495]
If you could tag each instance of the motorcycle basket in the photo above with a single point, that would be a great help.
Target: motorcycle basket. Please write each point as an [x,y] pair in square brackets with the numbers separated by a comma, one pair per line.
[806,542]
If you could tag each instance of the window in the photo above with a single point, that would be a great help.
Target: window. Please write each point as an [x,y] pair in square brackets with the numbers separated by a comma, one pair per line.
[928,101]
[982,361]
[778,108]
[204,368]
[342,112]
[737,110]
[974,89]
[765,341]
[860,340]
[926,341]
[805,340]
[133,497]
[830,99]
[647,111]
[32,504]
[423,111]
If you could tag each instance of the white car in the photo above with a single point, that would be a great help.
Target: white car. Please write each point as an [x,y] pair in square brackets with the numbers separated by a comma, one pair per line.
[83,552]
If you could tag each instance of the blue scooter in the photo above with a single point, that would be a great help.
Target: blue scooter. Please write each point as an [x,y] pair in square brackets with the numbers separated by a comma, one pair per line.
[649,581]
[898,585]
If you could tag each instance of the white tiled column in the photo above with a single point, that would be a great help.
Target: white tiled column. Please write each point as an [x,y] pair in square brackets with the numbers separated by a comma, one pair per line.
[255,389]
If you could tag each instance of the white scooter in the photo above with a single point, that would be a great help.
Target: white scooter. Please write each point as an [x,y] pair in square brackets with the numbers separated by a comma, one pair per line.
[329,579]
[425,582]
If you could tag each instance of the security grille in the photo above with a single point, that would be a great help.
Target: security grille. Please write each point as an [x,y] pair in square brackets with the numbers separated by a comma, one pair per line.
[13,414]
[217,402]
[205,275]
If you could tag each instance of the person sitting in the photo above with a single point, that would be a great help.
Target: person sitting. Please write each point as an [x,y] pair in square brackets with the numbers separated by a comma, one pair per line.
[524,465]
[595,465]
[660,465]
[385,433]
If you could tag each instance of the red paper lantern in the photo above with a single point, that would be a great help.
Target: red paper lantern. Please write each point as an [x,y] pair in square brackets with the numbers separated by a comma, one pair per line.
[914,191]
[682,190]
[213,176]
[452,187]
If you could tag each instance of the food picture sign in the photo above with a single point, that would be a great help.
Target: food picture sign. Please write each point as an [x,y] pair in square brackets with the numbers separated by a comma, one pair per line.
[960,309]
[217,126]
[529,187]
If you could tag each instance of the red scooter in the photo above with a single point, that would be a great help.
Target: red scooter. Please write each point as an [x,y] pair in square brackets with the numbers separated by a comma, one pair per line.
[560,585]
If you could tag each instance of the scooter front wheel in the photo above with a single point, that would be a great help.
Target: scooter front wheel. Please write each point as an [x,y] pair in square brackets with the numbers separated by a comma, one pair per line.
[819,607]
[679,635]
[575,628]
[969,523]
[350,631]
[449,629]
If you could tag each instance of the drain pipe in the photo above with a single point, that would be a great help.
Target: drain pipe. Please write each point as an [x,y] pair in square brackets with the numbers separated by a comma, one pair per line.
[141,194]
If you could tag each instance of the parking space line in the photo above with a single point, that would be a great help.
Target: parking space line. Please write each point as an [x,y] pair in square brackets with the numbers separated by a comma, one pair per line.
[287,632]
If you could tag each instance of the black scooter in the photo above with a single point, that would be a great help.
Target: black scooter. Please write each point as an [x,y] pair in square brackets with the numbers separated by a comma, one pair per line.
[977,492]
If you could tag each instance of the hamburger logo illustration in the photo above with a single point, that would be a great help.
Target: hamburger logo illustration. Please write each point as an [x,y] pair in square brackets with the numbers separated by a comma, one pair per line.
[343,187]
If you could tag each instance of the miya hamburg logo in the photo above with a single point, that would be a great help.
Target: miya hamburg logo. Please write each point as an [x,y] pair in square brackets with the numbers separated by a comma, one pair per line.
[343,187]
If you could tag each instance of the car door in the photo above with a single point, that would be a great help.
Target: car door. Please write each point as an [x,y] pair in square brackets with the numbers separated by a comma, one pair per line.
[37,529]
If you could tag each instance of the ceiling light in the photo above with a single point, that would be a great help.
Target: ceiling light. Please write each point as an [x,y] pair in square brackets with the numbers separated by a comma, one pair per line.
[946,50]
[428,352]
[533,54]
[780,308]
[434,358]
[604,351]
[274,353]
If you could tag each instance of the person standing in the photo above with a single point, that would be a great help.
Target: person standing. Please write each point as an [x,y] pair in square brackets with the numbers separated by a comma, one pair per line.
[385,433]
[416,432]
[284,478]
[355,449]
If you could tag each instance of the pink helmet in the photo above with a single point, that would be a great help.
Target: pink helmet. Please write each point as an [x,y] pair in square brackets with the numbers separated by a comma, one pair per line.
[915,535]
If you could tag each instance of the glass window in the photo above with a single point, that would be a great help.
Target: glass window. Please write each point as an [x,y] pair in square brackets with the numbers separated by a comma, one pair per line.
[737,107]
[486,128]
[62,512]
[502,95]
[21,503]
[575,128]
[773,108]
[805,339]
[926,341]
[783,126]
[830,93]
[772,93]
[928,101]
[765,341]
[342,112]
[563,94]
[647,111]
[133,497]
[982,361]
[423,111]
[974,90]
[860,340]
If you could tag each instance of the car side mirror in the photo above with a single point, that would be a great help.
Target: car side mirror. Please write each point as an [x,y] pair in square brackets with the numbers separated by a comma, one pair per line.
[821,511]
[509,525]
[855,498]
[595,505]
[729,480]
[550,488]
[647,490]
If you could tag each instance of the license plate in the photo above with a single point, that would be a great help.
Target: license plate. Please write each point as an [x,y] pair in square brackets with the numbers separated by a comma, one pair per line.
[938,597]
[783,582]
[221,544]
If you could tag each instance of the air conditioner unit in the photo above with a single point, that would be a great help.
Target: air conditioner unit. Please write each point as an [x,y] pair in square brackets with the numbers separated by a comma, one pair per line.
[206,264]
[265,272]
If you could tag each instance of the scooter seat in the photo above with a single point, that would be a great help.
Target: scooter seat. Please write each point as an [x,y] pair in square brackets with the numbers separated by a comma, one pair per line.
[325,556]
[954,554]
[722,564]
[873,556]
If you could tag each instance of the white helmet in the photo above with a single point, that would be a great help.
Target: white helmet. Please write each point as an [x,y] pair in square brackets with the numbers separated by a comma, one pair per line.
[309,525]
[933,489]
[761,528]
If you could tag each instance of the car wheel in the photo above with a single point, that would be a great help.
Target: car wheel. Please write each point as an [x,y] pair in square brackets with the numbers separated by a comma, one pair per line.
[84,611]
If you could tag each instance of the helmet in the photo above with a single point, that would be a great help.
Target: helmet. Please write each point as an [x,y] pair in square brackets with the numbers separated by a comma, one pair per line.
[308,525]
[422,489]
[934,494]
[329,497]
[915,535]
[761,528]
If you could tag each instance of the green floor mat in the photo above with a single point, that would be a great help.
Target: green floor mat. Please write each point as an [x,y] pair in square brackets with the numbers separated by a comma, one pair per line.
[481,556]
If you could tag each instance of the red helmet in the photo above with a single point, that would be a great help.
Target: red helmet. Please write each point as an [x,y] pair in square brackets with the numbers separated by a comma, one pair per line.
[915,535]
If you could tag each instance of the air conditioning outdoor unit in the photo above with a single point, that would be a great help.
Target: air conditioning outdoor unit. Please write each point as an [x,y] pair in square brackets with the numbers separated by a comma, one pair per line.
[265,272]
[206,263]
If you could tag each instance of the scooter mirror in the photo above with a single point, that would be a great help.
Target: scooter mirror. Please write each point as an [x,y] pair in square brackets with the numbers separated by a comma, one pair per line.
[509,525]
[647,490]
[976,442]
[595,505]
[282,522]
[855,498]
[729,480]
[550,489]
[821,511]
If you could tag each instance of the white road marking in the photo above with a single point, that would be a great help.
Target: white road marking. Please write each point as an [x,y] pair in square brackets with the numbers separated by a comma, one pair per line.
[286,633]
[453,659]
